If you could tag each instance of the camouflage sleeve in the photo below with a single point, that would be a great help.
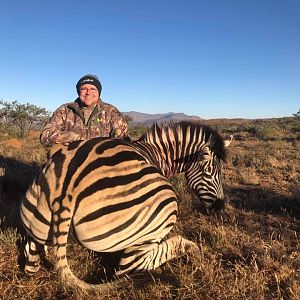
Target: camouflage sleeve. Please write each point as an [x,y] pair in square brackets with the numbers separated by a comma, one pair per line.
[118,124]
[53,132]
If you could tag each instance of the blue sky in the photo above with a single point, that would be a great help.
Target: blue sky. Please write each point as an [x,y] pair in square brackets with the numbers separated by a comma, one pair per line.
[213,59]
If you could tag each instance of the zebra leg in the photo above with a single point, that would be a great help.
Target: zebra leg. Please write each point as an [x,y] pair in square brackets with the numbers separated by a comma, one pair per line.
[62,218]
[33,252]
[150,256]
[61,229]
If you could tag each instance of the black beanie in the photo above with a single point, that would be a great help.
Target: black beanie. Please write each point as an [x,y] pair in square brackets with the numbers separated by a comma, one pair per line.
[89,79]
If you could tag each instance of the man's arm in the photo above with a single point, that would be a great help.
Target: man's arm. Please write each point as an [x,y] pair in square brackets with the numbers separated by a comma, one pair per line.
[119,125]
[54,133]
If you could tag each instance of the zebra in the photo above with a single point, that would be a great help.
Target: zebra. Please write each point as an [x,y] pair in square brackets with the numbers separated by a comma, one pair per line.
[114,195]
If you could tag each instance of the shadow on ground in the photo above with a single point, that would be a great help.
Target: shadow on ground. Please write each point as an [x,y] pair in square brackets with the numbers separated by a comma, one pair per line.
[262,200]
[13,185]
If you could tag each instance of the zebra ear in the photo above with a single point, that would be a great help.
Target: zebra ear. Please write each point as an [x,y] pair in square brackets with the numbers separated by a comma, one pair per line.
[228,141]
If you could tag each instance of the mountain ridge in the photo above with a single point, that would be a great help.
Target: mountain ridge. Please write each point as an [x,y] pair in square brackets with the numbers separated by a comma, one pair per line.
[148,119]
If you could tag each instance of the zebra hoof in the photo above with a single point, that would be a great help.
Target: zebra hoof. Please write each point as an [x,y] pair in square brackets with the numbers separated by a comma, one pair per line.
[194,250]
[31,269]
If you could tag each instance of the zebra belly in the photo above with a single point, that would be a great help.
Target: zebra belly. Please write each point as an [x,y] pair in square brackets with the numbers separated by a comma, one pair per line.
[113,224]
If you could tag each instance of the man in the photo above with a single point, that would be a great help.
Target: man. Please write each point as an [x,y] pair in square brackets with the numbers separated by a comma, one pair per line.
[87,117]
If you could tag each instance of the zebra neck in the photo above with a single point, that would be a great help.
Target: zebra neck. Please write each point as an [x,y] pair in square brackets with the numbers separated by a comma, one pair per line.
[154,156]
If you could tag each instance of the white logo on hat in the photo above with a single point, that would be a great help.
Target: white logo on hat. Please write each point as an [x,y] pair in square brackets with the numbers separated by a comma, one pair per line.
[87,80]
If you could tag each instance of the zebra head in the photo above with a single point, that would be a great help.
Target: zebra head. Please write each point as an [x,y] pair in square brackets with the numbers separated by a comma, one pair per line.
[192,148]
[205,177]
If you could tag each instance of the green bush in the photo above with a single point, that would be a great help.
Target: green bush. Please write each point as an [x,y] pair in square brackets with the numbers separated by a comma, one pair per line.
[136,131]
[268,132]
[21,118]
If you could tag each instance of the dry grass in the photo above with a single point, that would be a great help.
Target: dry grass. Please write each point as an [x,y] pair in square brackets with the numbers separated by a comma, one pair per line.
[251,251]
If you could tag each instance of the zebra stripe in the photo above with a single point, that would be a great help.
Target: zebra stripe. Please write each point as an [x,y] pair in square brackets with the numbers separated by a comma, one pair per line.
[115,196]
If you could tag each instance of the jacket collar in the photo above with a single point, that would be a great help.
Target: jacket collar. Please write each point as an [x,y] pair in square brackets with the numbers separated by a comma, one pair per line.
[77,105]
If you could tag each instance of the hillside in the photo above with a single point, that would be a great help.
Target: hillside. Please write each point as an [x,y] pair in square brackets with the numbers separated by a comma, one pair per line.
[148,119]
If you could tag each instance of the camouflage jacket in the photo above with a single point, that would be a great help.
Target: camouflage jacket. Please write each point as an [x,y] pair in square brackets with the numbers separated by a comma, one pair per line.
[68,124]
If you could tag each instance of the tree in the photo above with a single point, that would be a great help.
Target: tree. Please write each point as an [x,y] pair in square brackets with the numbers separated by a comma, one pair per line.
[297,115]
[22,117]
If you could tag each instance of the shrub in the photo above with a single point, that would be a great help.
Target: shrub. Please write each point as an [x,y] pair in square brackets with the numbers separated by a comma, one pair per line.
[136,131]
[21,118]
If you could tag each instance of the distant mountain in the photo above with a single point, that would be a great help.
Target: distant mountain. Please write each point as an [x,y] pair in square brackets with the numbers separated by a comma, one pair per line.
[149,119]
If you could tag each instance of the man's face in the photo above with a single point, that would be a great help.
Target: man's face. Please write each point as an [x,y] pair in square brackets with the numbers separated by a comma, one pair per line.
[89,94]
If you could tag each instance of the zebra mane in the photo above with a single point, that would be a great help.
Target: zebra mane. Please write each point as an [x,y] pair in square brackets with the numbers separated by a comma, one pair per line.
[212,137]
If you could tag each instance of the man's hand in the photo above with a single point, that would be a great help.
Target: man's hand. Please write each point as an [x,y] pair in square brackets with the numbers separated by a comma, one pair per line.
[67,137]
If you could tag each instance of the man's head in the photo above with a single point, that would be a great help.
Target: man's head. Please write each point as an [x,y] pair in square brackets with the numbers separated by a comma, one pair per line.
[89,89]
